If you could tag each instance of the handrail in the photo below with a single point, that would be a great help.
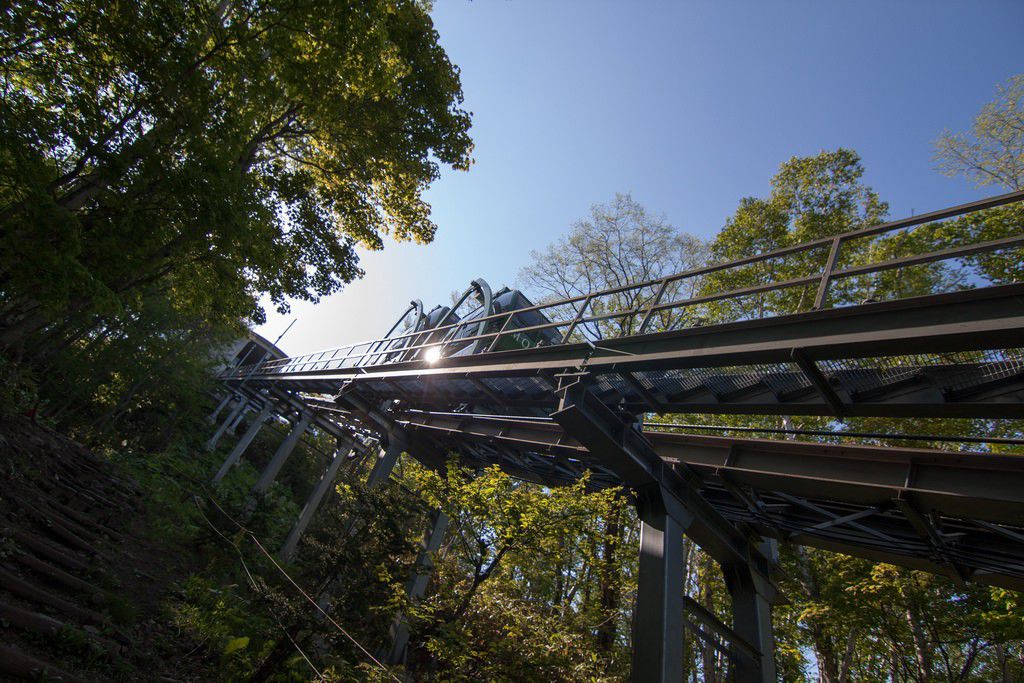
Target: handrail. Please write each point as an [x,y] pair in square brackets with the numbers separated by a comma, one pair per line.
[371,352]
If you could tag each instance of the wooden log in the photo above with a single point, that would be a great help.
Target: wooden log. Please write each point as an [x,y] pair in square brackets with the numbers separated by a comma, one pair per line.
[18,586]
[47,551]
[60,577]
[15,663]
[40,624]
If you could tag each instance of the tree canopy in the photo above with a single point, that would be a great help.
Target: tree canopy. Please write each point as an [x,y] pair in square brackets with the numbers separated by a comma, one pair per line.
[992,152]
[218,151]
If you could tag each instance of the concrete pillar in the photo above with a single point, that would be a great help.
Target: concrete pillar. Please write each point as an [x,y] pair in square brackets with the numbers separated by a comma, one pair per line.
[417,586]
[269,473]
[313,503]
[243,443]
[212,443]
[212,417]
[658,618]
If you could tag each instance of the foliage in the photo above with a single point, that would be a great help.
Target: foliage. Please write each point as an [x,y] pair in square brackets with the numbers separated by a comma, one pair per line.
[212,152]
[522,583]
[619,243]
[847,619]
[165,165]
[811,198]
[992,153]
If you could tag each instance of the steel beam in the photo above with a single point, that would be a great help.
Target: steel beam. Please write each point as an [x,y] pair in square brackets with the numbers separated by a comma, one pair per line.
[624,451]
[417,585]
[314,500]
[270,472]
[983,318]
[962,484]
[668,505]
[658,615]
[238,420]
[848,495]
[243,443]
[381,471]
[242,403]
[387,459]
[752,621]
[212,417]
[701,621]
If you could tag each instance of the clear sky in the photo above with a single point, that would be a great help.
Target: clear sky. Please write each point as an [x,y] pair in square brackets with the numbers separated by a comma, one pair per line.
[688,105]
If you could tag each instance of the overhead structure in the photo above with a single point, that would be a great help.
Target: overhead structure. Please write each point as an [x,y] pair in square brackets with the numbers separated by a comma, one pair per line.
[896,505]
[552,391]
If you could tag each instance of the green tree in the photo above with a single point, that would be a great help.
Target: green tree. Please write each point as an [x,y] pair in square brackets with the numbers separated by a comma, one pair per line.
[619,243]
[216,151]
[810,198]
[992,153]
[517,595]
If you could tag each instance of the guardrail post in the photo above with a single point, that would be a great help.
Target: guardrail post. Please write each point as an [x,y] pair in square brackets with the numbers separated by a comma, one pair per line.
[242,403]
[243,443]
[497,337]
[315,498]
[826,274]
[650,309]
[577,319]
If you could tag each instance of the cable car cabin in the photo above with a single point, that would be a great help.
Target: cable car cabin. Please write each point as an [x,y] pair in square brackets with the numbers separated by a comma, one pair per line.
[504,300]
[437,317]
[392,349]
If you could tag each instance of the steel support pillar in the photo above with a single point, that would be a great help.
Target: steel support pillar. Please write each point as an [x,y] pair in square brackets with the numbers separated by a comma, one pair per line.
[212,417]
[752,599]
[669,503]
[386,460]
[658,617]
[238,420]
[269,473]
[243,443]
[357,461]
[242,403]
[417,586]
[315,498]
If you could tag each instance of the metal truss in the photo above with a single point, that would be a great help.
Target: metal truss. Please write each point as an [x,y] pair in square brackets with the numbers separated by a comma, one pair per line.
[565,398]
[956,354]
[951,513]
[952,355]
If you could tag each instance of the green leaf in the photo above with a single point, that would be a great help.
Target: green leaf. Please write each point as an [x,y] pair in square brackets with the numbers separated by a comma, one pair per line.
[236,644]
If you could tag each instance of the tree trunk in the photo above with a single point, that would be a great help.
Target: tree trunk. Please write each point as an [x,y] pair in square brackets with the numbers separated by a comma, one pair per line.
[922,651]
[707,600]
[607,631]
[1004,670]
[824,649]
[847,663]
[560,569]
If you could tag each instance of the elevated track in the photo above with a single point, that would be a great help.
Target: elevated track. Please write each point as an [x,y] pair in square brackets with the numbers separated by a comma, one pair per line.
[850,325]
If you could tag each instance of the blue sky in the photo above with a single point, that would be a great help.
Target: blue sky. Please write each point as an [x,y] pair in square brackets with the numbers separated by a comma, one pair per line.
[687,105]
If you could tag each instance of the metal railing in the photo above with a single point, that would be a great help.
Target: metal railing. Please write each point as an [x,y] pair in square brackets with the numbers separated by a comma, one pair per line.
[578,319]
